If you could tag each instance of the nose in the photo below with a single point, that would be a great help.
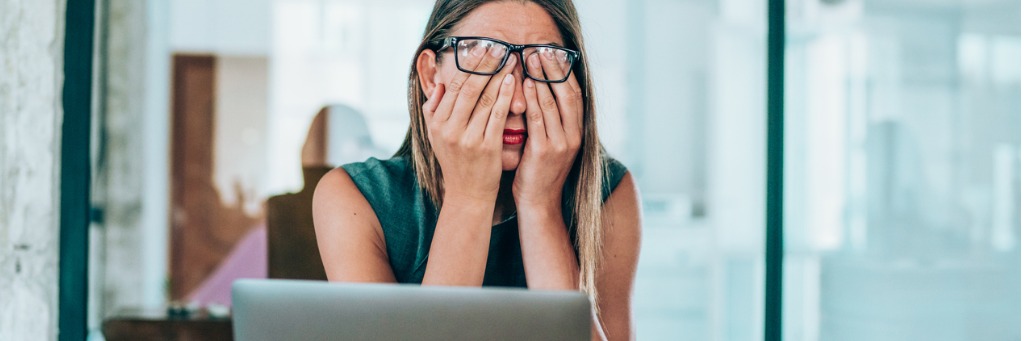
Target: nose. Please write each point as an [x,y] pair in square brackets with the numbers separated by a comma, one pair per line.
[518,106]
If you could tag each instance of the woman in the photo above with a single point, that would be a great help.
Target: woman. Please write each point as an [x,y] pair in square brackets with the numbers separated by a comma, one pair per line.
[501,179]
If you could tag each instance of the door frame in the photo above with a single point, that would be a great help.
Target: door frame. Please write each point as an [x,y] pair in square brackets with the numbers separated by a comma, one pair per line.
[73,261]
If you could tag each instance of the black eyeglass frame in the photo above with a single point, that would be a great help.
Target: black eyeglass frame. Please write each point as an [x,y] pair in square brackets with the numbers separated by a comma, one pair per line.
[571,54]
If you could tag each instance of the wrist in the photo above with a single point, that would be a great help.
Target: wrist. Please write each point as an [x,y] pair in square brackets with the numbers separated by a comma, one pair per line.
[469,197]
[539,211]
[546,204]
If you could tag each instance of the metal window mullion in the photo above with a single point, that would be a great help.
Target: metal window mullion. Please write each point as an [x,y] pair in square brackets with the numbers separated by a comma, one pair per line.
[75,170]
[774,250]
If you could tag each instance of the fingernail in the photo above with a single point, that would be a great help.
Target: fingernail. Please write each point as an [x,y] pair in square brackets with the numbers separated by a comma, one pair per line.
[508,79]
[529,83]
[496,51]
[534,61]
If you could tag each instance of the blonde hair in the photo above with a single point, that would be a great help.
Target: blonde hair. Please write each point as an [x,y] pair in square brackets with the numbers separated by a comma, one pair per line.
[584,199]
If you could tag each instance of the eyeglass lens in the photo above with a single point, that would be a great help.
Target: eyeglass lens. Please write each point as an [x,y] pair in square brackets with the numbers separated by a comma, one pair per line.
[468,49]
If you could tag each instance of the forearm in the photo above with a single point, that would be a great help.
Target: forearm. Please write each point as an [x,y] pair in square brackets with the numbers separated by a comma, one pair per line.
[458,251]
[548,256]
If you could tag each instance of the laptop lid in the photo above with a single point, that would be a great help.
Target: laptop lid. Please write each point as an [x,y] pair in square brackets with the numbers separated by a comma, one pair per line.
[317,310]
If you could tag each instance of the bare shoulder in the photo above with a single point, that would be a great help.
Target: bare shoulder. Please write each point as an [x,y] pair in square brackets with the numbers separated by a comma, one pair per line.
[348,233]
[622,209]
[337,197]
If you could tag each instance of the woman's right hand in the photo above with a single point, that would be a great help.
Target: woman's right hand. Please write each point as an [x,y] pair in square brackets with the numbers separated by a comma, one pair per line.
[465,122]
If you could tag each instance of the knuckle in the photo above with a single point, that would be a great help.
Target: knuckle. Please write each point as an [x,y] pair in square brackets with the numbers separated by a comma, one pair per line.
[469,90]
[535,116]
[469,144]
[499,114]
[449,139]
[456,84]
[486,100]
[570,101]
[549,103]
[573,98]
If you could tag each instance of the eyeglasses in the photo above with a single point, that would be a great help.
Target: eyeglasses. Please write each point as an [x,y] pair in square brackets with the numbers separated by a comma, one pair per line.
[563,57]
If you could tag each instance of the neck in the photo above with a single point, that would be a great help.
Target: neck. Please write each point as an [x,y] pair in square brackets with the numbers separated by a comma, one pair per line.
[505,204]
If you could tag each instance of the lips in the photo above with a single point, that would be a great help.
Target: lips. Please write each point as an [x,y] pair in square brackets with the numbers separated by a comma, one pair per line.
[514,136]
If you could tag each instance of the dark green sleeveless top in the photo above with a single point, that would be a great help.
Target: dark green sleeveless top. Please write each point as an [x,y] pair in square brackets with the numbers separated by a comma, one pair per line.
[408,217]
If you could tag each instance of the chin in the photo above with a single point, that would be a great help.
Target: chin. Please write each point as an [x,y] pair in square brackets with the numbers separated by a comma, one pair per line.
[510,158]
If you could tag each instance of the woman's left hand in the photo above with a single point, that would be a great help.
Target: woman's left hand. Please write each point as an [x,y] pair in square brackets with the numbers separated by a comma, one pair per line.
[554,118]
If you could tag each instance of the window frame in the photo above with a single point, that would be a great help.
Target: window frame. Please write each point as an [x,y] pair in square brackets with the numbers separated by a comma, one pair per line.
[75,170]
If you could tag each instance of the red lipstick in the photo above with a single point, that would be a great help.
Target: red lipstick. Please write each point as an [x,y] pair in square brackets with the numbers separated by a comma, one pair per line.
[514,136]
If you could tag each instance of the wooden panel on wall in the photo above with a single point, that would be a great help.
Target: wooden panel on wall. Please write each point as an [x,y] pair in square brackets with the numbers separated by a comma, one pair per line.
[203,229]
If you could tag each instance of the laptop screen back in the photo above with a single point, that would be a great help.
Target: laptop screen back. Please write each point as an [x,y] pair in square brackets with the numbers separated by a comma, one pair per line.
[316,310]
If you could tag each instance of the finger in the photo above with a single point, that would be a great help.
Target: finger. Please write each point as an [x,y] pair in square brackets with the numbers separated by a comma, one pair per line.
[534,116]
[579,94]
[451,94]
[496,123]
[469,60]
[471,90]
[490,99]
[430,106]
[575,85]
[547,103]
[568,100]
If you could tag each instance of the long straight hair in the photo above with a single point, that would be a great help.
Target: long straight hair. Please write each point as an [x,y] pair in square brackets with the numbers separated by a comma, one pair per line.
[583,198]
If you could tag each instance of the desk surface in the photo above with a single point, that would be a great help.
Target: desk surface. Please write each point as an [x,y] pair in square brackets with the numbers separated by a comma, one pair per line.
[156,325]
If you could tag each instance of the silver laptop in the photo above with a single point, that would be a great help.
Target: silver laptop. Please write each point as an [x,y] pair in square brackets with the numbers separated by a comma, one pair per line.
[315,310]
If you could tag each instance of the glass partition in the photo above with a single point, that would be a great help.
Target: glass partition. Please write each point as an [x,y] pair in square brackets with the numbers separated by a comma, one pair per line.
[681,89]
[902,173]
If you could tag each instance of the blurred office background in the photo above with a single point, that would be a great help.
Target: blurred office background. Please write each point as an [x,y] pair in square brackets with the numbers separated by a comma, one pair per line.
[902,170]
[902,151]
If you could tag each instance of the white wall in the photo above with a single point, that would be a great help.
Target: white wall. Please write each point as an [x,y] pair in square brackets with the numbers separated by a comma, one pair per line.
[223,27]
[31,63]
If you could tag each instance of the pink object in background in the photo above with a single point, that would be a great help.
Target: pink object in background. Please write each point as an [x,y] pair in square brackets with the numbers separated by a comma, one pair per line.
[247,260]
